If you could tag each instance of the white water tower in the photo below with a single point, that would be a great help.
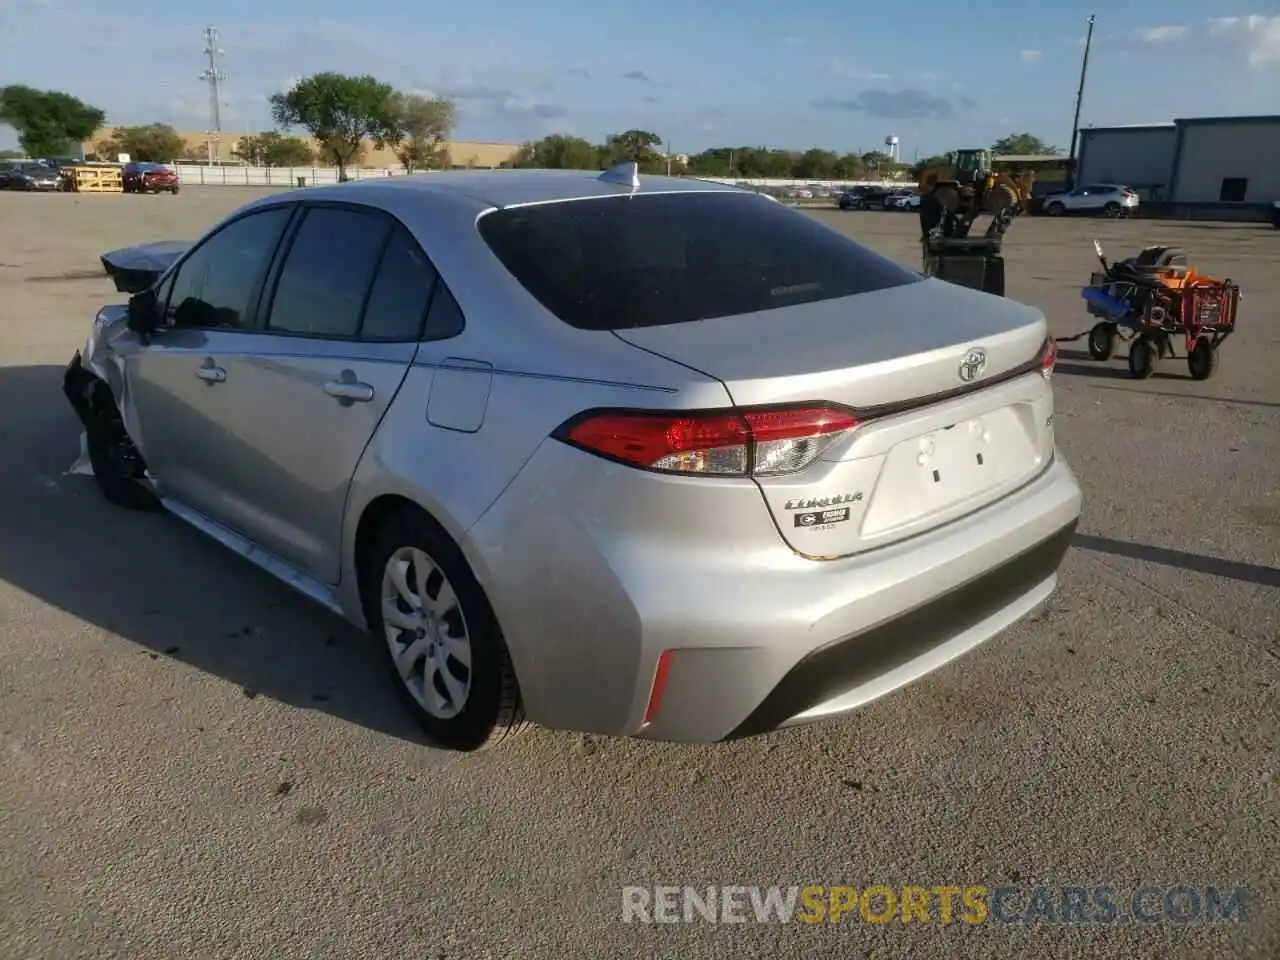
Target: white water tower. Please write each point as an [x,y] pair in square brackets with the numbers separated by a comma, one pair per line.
[891,147]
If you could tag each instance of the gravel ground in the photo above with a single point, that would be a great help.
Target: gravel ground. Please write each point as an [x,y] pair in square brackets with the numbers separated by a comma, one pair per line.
[197,763]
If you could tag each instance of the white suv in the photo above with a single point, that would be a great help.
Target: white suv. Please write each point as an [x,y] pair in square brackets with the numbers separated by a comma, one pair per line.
[1111,199]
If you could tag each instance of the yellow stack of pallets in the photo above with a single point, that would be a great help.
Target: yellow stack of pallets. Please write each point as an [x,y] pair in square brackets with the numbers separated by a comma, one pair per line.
[88,179]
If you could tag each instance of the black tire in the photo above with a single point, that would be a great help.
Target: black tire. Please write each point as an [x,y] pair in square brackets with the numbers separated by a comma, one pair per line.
[1055,209]
[117,468]
[947,197]
[492,711]
[174,191]
[1113,210]
[1102,341]
[1143,357]
[1202,361]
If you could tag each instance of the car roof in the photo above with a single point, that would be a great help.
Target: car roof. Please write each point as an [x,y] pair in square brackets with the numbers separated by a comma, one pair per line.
[506,188]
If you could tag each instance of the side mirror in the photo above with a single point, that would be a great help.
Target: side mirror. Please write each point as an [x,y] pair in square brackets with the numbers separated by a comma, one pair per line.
[1097,247]
[144,315]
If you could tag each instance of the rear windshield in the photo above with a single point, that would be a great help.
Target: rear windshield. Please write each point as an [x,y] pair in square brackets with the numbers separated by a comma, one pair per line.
[616,263]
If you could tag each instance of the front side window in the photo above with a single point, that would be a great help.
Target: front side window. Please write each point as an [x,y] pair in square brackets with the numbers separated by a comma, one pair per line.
[213,286]
[615,263]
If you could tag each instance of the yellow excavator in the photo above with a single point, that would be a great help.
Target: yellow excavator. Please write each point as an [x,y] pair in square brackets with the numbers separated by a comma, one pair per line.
[952,197]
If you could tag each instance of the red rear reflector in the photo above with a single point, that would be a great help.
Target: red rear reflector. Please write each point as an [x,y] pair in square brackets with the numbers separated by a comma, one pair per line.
[1048,357]
[659,685]
[778,440]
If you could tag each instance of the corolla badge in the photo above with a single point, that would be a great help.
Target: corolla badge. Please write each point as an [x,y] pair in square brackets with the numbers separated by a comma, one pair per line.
[974,362]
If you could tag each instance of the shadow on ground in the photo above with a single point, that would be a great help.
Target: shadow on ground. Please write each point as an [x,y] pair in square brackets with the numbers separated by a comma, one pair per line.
[157,583]
[1193,562]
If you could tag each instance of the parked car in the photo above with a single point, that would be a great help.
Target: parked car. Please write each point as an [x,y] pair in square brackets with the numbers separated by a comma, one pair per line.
[864,198]
[150,178]
[849,200]
[627,455]
[29,175]
[1111,199]
[902,200]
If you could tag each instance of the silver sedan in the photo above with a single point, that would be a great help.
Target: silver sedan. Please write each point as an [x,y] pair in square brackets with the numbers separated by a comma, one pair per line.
[633,456]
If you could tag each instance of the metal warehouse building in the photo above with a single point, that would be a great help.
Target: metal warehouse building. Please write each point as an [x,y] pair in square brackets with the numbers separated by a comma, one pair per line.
[1222,165]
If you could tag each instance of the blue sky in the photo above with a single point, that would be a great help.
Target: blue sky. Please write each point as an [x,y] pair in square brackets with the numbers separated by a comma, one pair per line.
[841,75]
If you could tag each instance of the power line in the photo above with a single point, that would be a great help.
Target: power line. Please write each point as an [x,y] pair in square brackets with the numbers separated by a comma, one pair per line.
[213,76]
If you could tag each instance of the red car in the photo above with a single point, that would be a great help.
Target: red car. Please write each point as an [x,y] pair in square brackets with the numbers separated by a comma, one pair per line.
[149,178]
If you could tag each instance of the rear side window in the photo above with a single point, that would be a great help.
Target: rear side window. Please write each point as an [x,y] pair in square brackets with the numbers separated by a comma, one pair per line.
[327,272]
[401,291]
[638,261]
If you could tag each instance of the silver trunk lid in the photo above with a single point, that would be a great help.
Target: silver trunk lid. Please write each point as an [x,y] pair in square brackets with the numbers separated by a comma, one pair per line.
[940,437]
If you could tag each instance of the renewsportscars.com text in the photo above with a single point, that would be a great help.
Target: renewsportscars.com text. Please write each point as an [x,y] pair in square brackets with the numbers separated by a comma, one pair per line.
[943,904]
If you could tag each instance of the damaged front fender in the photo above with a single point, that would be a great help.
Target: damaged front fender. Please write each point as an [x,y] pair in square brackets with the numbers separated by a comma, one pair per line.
[95,385]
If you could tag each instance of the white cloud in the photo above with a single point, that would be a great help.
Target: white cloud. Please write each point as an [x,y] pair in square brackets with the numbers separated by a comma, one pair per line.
[1030,56]
[847,70]
[1259,34]
[1166,34]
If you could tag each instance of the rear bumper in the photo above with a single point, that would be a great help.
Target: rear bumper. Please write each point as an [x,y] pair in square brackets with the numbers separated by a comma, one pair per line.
[841,677]
[759,636]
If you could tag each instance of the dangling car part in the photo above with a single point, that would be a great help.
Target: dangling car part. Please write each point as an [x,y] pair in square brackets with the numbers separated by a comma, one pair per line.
[134,269]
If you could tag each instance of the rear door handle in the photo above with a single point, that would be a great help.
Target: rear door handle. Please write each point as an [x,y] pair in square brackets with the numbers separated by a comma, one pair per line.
[211,374]
[349,390]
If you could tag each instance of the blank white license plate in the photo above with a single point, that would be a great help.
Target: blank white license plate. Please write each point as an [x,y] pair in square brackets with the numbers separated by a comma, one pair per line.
[935,471]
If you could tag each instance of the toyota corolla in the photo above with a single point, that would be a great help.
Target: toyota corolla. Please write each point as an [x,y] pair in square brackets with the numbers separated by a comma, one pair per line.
[624,455]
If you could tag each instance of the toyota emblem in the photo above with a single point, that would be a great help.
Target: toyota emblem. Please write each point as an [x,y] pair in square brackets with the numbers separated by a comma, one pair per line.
[975,361]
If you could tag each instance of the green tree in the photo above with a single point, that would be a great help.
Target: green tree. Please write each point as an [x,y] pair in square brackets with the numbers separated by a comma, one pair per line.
[816,165]
[849,167]
[12,154]
[273,149]
[341,112]
[716,162]
[154,143]
[47,121]
[425,124]
[640,146]
[1024,144]
[941,160]
[559,152]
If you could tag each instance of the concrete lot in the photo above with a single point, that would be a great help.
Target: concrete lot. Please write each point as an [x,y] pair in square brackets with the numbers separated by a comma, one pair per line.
[198,763]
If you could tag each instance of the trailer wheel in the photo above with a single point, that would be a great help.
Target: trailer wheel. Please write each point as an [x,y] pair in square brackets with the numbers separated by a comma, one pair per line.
[1102,341]
[1143,357]
[1202,361]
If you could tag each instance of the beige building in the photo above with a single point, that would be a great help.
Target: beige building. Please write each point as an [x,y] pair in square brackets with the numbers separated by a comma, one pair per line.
[462,153]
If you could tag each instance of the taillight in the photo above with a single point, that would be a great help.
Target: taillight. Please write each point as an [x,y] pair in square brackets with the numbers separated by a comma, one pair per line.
[759,442]
[1048,357]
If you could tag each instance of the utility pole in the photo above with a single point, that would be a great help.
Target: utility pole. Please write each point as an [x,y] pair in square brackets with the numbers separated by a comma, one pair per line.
[668,158]
[214,77]
[1075,123]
